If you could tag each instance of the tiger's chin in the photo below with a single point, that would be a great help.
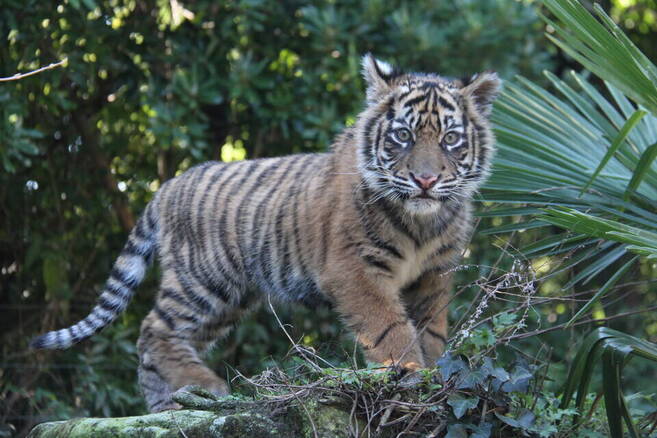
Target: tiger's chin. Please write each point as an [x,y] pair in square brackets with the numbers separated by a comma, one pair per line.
[423,206]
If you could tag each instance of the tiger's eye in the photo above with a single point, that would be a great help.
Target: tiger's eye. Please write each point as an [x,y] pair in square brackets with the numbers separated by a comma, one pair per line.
[451,137]
[403,135]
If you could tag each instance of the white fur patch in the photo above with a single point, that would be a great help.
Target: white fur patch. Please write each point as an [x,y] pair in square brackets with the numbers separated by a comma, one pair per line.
[383,66]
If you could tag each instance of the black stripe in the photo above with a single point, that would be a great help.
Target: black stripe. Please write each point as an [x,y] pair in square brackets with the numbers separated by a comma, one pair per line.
[212,246]
[421,308]
[196,267]
[221,171]
[279,233]
[326,231]
[187,289]
[164,316]
[203,276]
[443,102]
[437,335]
[121,277]
[292,195]
[370,259]
[405,94]
[254,227]
[481,140]
[149,367]
[190,208]
[121,292]
[424,321]
[296,235]
[182,231]
[365,219]
[134,250]
[102,302]
[104,318]
[410,287]
[383,245]
[385,333]
[87,328]
[367,148]
[392,216]
[266,231]
[151,216]
[185,317]
[221,228]
[377,138]
[443,249]
[75,333]
[173,295]
[139,230]
[415,100]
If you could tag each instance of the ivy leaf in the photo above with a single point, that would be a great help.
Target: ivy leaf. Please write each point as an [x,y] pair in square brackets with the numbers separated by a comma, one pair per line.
[483,337]
[460,404]
[468,379]
[524,421]
[491,370]
[518,381]
[448,365]
[500,374]
[481,431]
[456,431]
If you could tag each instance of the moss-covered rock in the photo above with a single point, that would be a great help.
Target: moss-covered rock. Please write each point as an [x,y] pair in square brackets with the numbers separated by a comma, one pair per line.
[193,423]
[212,417]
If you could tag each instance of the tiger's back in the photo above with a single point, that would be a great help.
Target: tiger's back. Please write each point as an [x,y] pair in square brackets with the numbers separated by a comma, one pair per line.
[245,225]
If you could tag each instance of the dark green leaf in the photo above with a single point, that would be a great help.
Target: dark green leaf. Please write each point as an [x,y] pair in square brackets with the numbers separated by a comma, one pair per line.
[460,405]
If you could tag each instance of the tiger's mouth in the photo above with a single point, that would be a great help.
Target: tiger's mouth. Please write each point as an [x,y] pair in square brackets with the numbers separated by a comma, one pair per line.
[429,197]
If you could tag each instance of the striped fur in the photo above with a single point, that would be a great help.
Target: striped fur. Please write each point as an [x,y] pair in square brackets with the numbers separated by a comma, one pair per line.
[371,227]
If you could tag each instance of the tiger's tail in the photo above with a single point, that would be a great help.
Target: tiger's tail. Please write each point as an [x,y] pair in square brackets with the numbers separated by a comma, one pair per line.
[127,273]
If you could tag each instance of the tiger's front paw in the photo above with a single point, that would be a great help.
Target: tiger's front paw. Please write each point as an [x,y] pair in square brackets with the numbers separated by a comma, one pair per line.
[411,367]
[403,368]
[407,372]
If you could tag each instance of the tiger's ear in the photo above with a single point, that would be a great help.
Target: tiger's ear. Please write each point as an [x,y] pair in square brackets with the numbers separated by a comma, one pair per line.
[482,89]
[378,76]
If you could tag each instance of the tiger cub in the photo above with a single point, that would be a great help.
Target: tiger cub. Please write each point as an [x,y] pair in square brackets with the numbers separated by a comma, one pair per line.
[372,227]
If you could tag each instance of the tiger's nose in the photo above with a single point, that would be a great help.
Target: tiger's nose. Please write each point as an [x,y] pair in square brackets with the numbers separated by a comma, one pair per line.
[425,181]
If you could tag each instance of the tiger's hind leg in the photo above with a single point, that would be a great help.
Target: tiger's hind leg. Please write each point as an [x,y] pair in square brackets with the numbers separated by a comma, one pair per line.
[173,337]
[173,341]
[169,360]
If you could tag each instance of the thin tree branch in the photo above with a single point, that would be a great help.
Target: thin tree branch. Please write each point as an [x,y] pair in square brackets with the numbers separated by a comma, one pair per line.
[18,76]
[588,321]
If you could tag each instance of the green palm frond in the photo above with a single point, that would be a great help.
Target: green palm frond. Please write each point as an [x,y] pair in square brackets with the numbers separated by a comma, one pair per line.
[614,349]
[602,47]
[551,146]
[584,157]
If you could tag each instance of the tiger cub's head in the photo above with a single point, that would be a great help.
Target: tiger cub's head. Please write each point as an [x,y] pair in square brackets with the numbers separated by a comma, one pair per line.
[424,139]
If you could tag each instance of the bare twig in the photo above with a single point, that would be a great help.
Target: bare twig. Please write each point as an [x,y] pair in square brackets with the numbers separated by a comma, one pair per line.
[175,420]
[301,351]
[386,414]
[587,321]
[18,76]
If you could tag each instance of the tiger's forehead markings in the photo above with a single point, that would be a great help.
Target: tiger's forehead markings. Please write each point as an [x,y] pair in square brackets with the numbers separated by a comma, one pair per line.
[423,102]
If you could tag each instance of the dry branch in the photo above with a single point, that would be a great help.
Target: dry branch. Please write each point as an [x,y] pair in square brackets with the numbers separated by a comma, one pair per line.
[18,76]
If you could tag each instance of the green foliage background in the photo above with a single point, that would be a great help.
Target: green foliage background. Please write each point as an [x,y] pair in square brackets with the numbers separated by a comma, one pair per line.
[151,88]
